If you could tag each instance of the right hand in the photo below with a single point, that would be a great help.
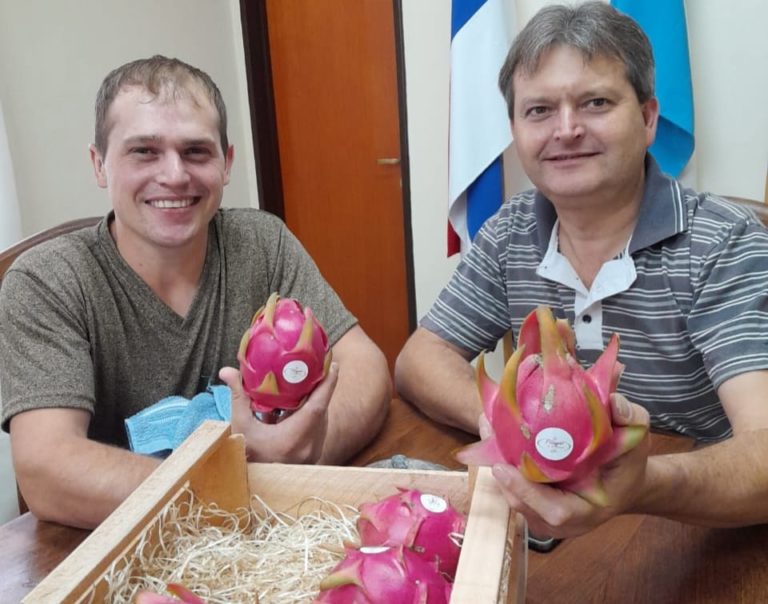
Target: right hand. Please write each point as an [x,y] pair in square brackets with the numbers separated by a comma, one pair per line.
[299,438]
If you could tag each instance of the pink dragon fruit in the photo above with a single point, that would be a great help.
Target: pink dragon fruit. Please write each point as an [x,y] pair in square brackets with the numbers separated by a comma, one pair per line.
[550,417]
[185,596]
[425,523]
[384,575]
[283,355]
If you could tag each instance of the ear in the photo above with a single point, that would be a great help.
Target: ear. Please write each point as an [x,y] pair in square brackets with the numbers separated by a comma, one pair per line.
[229,156]
[98,166]
[650,111]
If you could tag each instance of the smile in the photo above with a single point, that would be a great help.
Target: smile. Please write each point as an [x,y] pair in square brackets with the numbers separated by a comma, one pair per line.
[171,204]
[569,156]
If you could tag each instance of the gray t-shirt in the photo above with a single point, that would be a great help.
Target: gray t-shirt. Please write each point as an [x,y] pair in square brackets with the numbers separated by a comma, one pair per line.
[79,329]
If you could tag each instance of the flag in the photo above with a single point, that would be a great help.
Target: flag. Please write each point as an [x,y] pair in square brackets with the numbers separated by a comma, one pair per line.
[10,220]
[479,128]
[663,21]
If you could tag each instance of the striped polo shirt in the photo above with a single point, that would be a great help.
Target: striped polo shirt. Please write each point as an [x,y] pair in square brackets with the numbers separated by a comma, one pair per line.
[688,297]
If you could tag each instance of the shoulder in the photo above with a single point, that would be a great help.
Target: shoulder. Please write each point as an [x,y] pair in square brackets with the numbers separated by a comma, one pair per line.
[66,254]
[713,218]
[249,223]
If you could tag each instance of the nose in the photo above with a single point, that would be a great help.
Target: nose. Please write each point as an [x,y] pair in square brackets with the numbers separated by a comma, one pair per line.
[173,170]
[569,127]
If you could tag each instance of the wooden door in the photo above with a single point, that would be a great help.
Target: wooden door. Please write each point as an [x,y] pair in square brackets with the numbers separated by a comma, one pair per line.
[335,89]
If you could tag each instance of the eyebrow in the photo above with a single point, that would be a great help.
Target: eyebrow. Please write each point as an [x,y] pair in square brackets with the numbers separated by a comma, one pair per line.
[151,138]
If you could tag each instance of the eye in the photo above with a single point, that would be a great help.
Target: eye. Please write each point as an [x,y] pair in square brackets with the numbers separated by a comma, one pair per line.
[537,111]
[197,153]
[597,103]
[141,151]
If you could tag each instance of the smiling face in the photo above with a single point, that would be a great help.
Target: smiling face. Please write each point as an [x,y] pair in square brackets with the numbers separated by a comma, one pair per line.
[164,169]
[579,130]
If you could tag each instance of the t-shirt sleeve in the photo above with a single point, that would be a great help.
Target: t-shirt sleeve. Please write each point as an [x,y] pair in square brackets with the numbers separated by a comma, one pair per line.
[45,358]
[728,321]
[471,312]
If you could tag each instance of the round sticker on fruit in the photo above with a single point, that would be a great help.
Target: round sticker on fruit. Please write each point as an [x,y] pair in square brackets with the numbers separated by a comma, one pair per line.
[433,503]
[295,372]
[554,444]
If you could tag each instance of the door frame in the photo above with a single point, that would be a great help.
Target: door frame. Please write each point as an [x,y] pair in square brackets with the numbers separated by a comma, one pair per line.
[261,101]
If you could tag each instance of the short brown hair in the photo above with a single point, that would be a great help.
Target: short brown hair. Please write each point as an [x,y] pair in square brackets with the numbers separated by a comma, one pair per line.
[155,74]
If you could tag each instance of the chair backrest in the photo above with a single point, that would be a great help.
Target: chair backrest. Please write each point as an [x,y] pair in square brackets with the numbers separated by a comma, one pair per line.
[8,255]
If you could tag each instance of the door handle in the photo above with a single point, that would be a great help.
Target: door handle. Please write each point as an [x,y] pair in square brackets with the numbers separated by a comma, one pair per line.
[388,161]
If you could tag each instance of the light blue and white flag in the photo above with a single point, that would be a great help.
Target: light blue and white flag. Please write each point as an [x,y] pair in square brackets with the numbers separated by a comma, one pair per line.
[663,21]
[479,124]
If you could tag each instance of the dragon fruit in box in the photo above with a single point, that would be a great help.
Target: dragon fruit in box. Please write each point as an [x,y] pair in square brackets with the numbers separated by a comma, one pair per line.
[550,417]
[283,355]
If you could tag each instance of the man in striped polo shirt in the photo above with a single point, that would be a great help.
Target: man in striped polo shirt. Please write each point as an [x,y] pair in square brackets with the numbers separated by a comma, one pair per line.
[613,245]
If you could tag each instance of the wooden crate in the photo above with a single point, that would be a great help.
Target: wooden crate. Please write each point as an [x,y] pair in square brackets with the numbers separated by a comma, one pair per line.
[211,463]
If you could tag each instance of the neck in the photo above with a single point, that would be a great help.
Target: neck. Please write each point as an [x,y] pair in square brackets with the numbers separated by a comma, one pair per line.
[173,274]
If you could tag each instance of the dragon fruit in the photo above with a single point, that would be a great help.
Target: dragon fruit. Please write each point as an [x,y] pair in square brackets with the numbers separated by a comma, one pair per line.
[550,417]
[384,575]
[425,523]
[283,355]
[185,596]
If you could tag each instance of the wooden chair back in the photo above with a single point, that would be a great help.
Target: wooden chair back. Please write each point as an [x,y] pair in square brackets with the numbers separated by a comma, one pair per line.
[8,255]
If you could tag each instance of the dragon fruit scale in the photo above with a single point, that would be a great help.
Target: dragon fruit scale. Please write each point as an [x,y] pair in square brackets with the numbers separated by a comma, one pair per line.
[550,417]
[423,522]
[283,355]
[384,575]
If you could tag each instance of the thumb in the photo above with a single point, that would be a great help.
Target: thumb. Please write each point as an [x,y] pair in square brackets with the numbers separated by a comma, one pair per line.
[627,414]
[241,403]
[321,395]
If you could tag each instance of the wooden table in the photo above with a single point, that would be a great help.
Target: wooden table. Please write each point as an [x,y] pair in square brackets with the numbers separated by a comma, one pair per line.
[638,559]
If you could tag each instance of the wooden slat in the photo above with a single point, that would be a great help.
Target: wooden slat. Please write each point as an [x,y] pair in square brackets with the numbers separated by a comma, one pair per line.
[77,574]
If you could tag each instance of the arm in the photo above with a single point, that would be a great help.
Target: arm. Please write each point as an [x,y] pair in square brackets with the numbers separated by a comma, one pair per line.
[436,376]
[341,415]
[67,478]
[724,485]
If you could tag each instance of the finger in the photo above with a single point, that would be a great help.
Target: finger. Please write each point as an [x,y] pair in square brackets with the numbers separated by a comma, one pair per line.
[626,413]
[240,403]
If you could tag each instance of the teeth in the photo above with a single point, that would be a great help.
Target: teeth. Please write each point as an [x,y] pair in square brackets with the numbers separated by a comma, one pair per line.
[165,204]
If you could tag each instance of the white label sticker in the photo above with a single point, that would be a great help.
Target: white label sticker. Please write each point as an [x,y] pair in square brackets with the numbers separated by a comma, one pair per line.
[433,503]
[373,549]
[295,372]
[554,444]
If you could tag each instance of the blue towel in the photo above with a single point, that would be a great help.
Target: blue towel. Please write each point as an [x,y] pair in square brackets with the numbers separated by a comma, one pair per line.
[162,427]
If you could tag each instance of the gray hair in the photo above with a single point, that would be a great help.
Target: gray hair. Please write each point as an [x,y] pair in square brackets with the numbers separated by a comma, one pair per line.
[595,29]
[157,74]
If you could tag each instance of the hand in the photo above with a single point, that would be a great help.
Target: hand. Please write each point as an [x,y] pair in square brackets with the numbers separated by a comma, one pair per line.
[299,438]
[554,512]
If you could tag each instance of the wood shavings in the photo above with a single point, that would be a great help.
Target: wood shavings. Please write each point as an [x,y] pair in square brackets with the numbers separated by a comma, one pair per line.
[255,555]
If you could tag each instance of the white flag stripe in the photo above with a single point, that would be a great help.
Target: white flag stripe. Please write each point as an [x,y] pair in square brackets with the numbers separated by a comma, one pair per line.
[10,219]
[479,127]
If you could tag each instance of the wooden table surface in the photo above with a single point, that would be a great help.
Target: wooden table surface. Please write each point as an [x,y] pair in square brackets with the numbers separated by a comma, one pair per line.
[638,559]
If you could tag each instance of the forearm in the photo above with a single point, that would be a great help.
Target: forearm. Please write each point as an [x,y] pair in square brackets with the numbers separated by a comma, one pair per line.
[358,406]
[82,483]
[435,377]
[724,485]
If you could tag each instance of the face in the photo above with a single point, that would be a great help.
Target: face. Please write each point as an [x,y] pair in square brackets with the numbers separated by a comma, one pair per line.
[580,132]
[164,170]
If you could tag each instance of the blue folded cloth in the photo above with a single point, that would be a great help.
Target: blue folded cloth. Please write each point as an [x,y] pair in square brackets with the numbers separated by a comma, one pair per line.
[162,427]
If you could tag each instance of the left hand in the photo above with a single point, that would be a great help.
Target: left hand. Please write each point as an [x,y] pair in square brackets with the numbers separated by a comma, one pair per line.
[554,512]
[299,438]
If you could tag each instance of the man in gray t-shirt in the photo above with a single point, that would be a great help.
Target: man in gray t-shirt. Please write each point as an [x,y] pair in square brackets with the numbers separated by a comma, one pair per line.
[152,302]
